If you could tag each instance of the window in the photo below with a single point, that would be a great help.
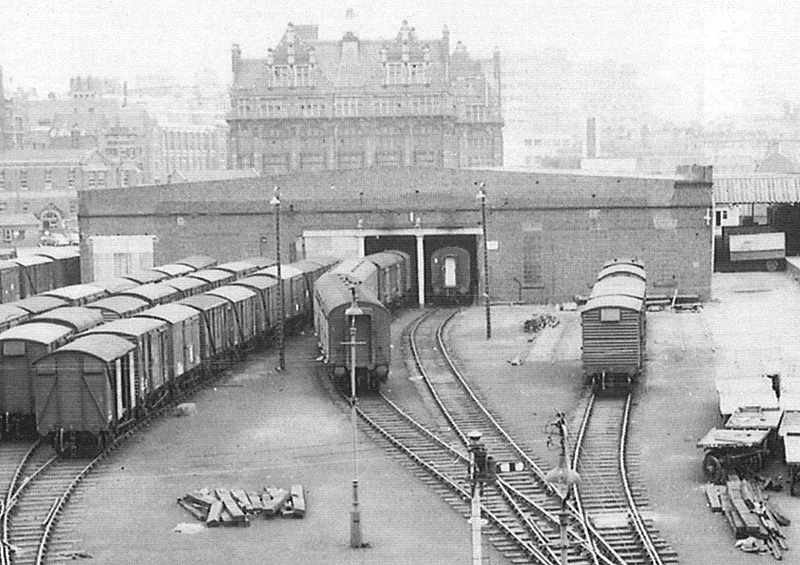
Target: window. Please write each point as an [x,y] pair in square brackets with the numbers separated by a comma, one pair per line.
[126,178]
[280,76]
[609,315]
[2,180]
[385,106]
[347,105]
[48,178]
[71,178]
[23,180]
[13,348]
[8,234]
[418,73]
[528,142]
[101,179]
[303,75]
[50,220]
[395,73]
[122,264]
[92,179]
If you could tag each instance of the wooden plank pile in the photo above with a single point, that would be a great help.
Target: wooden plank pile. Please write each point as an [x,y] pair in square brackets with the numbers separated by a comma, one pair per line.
[233,507]
[750,514]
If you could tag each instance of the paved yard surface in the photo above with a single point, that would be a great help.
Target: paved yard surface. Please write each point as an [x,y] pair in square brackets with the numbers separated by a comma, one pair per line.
[262,427]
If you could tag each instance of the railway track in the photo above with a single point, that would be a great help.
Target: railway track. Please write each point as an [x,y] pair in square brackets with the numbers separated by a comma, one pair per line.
[36,485]
[521,508]
[36,493]
[606,493]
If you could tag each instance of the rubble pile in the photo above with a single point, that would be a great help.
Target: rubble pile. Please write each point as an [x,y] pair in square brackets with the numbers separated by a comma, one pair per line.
[233,507]
[540,322]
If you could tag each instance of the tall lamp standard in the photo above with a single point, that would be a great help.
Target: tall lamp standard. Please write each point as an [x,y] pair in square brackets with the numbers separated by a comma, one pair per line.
[482,197]
[355,514]
[276,201]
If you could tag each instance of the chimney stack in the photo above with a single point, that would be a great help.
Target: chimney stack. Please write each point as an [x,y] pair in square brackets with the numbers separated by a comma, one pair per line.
[591,138]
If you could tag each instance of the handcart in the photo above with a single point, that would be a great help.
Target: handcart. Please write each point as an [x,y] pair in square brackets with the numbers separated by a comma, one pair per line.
[726,450]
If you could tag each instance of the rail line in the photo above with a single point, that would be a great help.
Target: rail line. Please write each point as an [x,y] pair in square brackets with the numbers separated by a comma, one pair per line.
[533,498]
[605,493]
[37,485]
[521,508]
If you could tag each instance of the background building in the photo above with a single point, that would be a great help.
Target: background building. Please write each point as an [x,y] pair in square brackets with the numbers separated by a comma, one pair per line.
[315,104]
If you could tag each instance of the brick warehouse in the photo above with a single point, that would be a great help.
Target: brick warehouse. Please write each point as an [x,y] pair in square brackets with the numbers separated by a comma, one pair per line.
[548,233]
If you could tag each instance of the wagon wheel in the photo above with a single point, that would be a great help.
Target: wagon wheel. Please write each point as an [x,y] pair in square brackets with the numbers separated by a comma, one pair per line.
[772,265]
[712,467]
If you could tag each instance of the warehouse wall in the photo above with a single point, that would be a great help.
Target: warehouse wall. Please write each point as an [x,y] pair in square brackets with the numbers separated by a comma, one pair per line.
[553,232]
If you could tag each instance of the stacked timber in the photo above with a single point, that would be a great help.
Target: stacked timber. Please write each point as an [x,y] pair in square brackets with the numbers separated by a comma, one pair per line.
[234,507]
[754,520]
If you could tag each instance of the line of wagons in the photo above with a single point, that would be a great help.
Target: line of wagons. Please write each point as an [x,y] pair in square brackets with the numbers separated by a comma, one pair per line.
[614,324]
[41,270]
[86,361]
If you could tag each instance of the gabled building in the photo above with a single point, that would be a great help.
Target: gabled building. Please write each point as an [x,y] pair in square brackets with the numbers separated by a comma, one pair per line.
[45,182]
[356,103]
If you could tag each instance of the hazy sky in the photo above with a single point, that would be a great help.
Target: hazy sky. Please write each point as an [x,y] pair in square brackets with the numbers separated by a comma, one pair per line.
[44,42]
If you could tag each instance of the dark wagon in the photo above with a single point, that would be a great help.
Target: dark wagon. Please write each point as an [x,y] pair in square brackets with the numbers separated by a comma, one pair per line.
[20,347]
[184,356]
[85,392]
[613,340]
[393,275]
[332,298]
[151,367]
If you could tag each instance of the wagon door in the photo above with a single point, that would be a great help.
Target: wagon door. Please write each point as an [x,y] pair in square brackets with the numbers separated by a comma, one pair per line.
[16,386]
[191,342]
[10,278]
[158,350]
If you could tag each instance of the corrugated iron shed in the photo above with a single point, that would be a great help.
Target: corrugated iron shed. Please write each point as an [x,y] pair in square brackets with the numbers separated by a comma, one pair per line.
[766,189]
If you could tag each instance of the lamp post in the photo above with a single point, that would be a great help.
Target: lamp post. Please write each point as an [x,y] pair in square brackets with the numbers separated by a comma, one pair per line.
[563,478]
[482,197]
[355,514]
[276,201]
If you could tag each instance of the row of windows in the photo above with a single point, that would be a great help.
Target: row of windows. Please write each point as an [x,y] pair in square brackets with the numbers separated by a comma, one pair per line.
[417,72]
[342,106]
[5,179]
[311,133]
[407,73]
[292,75]
[94,179]
[548,142]
[280,162]
[189,140]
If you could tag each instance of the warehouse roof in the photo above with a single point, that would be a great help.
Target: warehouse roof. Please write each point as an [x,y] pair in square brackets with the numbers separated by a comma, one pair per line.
[388,189]
[757,189]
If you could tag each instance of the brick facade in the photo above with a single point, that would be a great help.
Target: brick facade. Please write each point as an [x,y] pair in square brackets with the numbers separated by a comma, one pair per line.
[316,104]
[553,231]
